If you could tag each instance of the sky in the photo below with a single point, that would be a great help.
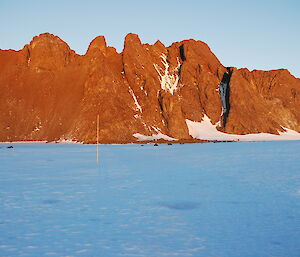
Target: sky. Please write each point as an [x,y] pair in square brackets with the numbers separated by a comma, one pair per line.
[253,34]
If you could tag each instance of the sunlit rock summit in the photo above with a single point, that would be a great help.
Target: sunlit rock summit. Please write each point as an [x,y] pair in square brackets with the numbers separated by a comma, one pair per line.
[48,92]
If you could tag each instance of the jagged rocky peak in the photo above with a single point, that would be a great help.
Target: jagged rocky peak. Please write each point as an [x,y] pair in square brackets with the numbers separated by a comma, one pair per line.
[133,51]
[97,44]
[48,52]
[132,38]
[46,39]
[158,44]
[48,43]
[192,49]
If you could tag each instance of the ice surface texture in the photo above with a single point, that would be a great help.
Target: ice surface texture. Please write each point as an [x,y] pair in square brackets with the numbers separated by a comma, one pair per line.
[225,199]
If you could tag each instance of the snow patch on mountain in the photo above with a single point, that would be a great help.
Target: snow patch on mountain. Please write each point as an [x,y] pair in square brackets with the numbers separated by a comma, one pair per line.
[138,107]
[167,81]
[207,131]
[141,137]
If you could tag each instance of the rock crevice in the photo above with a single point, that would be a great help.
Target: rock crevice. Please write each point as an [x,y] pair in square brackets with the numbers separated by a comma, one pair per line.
[224,90]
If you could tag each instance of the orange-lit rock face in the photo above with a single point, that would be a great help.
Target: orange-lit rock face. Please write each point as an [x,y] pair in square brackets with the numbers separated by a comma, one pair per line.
[263,101]
[48,92]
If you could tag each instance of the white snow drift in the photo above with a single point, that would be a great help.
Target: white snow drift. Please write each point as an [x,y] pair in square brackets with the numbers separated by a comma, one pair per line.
[141,137]
[207,131]
[167,81]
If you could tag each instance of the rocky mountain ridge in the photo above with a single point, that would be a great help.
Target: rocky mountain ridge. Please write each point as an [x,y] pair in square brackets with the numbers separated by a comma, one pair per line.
[48,92]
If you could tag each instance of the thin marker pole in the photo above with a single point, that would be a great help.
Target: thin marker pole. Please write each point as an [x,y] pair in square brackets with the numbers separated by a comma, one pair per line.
[97,157]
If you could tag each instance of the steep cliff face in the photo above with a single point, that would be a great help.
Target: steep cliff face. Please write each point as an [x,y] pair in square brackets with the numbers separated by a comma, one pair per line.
[263,101]
[48,92]
[39,94]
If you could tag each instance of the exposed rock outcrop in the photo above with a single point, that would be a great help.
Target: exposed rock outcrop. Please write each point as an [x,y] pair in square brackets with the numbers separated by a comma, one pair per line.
[48,92]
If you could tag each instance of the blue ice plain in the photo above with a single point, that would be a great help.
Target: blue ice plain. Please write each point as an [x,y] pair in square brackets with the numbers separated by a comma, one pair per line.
[224,199]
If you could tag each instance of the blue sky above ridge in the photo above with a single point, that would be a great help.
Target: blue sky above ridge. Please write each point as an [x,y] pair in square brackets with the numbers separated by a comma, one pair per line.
[252,34]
